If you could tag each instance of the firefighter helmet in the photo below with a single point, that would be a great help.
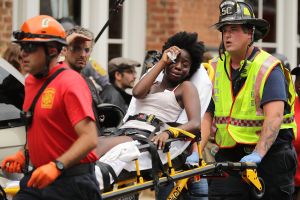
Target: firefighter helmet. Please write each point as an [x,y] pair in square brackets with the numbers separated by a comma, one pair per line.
[240,12]
[41,28]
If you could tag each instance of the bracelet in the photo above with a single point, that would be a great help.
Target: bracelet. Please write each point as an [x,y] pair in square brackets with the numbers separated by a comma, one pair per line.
[171,135]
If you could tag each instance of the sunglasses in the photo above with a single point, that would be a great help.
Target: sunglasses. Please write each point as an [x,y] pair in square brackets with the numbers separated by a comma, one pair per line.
[29,47]
[79,49]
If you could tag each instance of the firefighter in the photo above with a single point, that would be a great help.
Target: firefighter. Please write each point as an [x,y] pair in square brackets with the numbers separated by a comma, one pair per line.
[252,106]
[61,130]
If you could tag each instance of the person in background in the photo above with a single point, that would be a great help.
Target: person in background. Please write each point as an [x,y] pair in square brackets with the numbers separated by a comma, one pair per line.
[93,69]
[252,106]
[296,72]
[61,132]
[12,55]
[283,59]
[11,90]
[122,76]
[80,45]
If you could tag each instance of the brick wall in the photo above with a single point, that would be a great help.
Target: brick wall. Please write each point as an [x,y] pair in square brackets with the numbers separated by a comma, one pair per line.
[166,17]
[5,23]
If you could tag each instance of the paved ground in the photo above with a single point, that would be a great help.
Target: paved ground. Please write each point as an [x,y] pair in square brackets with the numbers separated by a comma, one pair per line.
[147,195]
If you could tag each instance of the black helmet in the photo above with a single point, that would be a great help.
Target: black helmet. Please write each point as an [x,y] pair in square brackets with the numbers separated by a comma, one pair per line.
[240,12]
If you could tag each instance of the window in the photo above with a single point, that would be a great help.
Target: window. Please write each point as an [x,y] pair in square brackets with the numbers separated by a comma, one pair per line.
[11,99]
[62,8]
[115,33]
[266,9]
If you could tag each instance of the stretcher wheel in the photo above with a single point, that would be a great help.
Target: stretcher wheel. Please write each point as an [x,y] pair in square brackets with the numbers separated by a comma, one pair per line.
[255,192]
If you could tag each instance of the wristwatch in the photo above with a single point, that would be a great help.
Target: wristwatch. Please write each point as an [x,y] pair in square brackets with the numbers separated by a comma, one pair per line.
[59,165]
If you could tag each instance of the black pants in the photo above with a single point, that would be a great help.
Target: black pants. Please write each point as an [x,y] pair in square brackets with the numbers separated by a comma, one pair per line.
[277,169]
[76,183]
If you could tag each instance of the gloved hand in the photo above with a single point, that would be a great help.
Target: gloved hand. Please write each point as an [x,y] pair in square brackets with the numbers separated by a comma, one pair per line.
[193,158]
[253,157]
[14,163]
[44,176]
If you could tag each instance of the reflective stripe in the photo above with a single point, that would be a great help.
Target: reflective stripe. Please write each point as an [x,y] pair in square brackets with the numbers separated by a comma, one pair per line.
[247,123]
[214,63]
[264,67]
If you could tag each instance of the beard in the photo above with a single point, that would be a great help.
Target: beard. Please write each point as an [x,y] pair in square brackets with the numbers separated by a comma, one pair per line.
[76,68]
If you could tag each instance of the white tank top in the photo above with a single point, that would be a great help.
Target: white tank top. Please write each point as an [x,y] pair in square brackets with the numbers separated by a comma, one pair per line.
[162,104]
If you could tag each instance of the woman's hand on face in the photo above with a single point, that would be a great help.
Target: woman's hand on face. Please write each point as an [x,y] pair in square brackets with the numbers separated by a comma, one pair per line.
[169,56]
[160,140]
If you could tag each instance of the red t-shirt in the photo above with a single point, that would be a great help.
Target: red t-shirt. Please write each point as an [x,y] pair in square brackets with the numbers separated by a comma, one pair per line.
[65,101]
[297,141]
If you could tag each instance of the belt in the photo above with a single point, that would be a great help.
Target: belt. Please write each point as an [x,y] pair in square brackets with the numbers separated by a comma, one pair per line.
[151,119]
[79,169]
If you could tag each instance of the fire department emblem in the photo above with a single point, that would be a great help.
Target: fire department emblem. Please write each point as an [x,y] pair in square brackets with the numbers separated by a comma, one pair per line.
[48,98]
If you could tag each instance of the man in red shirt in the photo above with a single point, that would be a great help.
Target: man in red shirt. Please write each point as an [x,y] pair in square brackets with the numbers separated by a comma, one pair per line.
[62,132]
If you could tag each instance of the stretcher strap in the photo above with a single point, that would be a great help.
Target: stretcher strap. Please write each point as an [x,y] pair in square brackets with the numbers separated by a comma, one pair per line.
[176,131]
[106,171]
[156,164]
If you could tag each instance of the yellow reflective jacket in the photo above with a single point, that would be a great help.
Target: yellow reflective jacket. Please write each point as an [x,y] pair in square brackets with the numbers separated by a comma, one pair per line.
[239,119]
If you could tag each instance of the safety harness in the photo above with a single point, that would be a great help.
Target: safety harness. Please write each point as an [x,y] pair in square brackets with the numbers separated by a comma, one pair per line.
[28,116]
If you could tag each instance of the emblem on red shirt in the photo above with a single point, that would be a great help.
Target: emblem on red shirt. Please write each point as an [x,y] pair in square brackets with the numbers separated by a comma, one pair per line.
[47,98]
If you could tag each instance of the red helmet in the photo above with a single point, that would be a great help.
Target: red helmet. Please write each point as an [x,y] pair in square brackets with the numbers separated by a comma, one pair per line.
[41,28]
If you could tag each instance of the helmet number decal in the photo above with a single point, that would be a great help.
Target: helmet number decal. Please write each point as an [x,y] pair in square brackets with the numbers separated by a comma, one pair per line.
[228,8]
[45,22]
[226,11]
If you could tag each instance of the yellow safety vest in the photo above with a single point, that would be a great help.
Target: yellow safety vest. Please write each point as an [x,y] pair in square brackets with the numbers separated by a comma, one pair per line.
[239,119]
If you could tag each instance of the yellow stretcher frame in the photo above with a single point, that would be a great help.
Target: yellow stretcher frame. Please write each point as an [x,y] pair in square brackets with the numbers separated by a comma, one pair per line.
[181,178]
[248,170]
[249,174]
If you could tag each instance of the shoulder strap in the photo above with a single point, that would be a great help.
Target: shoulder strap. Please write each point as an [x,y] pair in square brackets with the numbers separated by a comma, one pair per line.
[176,87]
[31,108]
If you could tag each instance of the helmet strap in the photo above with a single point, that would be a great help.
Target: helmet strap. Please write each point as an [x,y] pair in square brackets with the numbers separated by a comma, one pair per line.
[241,69]
[221,48]
[252,37]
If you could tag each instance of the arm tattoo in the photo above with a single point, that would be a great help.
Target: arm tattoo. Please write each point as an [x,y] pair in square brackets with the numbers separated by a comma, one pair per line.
[269,133]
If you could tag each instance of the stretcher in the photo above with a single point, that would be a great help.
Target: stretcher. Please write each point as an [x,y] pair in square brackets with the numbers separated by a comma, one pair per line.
[137,170]
[181,177]
[137,182]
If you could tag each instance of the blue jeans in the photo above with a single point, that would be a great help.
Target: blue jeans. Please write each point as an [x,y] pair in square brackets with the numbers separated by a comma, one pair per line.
[196,190]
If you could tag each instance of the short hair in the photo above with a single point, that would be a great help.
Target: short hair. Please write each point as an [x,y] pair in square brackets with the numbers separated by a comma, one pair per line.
[190,43]
[81,30]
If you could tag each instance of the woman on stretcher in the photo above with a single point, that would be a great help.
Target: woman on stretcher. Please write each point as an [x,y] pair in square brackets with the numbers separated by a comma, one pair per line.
[182,55]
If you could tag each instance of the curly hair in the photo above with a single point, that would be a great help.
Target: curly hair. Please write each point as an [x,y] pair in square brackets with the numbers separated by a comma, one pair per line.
[188,42]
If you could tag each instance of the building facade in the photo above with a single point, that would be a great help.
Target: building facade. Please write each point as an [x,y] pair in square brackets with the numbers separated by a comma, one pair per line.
[142,25]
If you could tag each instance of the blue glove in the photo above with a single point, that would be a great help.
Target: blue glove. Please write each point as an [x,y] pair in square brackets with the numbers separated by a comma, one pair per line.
[193,158]
[253,157]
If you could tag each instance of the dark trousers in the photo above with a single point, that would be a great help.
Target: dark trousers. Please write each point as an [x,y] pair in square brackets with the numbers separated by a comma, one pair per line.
[277,169]
[76,183]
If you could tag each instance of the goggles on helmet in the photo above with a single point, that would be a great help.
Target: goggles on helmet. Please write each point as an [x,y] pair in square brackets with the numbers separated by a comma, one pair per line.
[20,35]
